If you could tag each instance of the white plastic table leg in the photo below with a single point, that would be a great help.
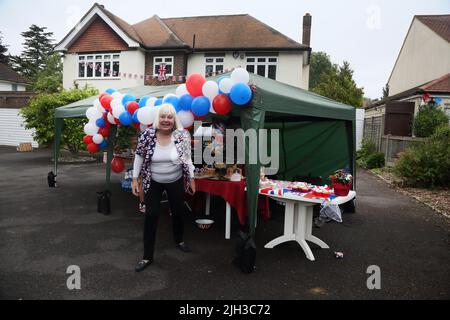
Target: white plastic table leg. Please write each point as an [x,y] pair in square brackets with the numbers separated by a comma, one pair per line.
[228,221]
[300,234]
[288,226]
[308,230]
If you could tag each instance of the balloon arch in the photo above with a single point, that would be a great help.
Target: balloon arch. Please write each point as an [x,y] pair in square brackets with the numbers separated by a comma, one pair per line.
[192,100]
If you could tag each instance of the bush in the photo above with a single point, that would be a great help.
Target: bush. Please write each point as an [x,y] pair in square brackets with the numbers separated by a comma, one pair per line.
[39,115]
[375,160]
[427,120]
[427,163]
[368,148]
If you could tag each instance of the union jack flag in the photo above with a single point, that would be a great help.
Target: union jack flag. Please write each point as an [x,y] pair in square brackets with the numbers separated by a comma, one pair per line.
[162,72]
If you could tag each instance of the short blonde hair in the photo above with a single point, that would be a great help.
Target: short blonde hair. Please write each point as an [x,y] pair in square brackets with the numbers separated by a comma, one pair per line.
[167,108]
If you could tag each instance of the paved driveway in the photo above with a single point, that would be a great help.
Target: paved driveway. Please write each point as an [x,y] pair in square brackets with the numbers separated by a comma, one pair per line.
[43,231]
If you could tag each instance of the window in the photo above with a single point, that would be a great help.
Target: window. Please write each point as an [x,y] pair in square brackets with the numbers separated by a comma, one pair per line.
[447,110]
[98,65]
[167,61]
[263,66]
[213,65]
[14,87]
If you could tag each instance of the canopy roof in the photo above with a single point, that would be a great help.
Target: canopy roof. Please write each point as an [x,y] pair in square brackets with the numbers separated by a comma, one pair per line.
[271,95]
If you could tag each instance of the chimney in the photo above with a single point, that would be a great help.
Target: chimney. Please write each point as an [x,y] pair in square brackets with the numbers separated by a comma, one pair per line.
[306,40]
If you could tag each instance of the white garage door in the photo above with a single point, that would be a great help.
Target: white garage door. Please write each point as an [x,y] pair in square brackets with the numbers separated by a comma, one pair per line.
[12,129]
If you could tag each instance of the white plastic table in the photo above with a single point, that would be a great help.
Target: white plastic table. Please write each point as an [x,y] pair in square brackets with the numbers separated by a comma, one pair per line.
[298,214]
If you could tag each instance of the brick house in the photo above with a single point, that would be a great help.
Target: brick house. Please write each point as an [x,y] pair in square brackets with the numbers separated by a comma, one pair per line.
[105,51]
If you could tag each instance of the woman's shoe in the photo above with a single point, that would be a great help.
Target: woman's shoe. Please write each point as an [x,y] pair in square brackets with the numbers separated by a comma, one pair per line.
[142,207]
[141,265]
[184,247]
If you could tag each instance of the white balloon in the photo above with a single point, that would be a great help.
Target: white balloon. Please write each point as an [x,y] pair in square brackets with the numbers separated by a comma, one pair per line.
[117,95]
[115,102]
[97,138]
[118,110]
[93,113]
[110,118]
[146,115]
[142,127]
[210,89]
[186,118]
[169,95]
[240,75]
[225,85]
[90,128]
[181,90]
[97,103]
[151,102]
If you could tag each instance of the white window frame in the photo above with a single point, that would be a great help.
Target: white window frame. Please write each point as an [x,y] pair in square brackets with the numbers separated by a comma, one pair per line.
[113,57]
[446,110]
[171,63]
[266,64]
[215,63]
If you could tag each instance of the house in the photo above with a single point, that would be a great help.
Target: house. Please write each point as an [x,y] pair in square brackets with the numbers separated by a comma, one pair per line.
[104,51]
[422,66]
[13,97]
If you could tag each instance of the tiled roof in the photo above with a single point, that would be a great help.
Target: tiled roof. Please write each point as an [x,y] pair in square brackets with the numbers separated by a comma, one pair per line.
[8,74]
[438,23]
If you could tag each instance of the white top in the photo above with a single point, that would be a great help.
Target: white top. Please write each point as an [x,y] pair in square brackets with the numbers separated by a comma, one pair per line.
[165,166]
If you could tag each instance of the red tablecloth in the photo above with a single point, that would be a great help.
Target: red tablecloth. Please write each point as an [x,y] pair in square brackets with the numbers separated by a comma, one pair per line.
[232,192]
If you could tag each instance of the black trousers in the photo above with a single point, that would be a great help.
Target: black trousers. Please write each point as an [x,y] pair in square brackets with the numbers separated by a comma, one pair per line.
[175,194]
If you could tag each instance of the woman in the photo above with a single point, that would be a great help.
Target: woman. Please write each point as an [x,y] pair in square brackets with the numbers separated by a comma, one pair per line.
[163,158]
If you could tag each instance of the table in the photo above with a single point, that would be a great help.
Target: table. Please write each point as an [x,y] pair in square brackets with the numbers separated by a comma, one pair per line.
[298,216]
[233,192]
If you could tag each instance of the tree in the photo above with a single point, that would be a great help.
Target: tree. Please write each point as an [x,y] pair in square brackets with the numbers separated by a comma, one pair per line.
[4,58]
[39,115]
[320,64]
[38,46]
[49,79]
[385,91]
[338,84]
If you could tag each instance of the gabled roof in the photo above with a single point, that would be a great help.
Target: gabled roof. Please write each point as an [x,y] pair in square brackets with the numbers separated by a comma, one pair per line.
[438,23]
[222,32]
[8,74]
[437,86]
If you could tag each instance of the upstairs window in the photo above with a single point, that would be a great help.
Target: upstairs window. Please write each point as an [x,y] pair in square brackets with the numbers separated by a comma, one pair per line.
[263,66]
[99,65]
[213,65]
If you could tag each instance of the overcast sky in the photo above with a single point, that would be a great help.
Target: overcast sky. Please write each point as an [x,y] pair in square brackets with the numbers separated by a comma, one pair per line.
[367,33]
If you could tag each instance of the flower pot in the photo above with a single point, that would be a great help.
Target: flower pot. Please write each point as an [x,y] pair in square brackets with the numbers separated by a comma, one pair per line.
[341,189]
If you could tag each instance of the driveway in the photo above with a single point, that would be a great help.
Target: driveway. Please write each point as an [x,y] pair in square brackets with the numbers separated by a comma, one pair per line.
[44,230]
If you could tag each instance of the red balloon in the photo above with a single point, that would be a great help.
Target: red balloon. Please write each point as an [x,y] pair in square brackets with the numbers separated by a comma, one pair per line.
[104,131]
[132,106]
[194,84]
[222,104]
[117,165]
[199,118]
[92,147]
[106,101]
[137,125]
[117,121]
[87,139]
[102,95]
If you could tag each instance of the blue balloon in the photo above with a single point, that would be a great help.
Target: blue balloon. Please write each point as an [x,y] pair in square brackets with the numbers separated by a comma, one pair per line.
[158,102]
[100,122]
[135,118]
[200,106]
[103,145]
[125,118]
[110,91]
[185,102]
[438,100]
[240,94]
[127,98]
[143,101]
[173,101]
